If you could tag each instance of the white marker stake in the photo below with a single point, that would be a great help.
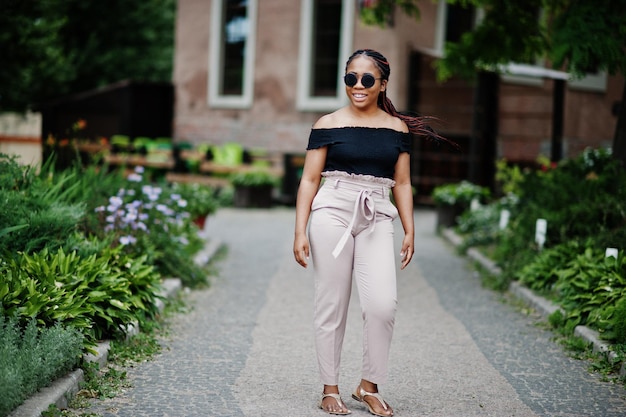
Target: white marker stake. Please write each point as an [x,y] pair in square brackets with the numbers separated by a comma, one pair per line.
[504,219]
[611,252]
[540,232]
[474,204]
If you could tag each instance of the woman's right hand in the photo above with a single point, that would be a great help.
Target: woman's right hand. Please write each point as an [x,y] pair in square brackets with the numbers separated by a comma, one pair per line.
[301,249]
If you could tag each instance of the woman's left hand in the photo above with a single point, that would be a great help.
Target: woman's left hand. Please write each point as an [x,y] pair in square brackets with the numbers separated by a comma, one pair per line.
[407,250]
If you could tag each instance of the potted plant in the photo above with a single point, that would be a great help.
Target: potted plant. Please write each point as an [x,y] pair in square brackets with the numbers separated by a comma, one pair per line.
[451,200]
[253,188]
[201,201]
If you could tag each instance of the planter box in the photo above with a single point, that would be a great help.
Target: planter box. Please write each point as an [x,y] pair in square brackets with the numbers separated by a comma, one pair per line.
[446,215]
[253,196]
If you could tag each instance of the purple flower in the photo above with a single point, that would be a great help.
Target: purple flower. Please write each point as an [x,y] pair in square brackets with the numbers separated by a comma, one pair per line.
[114,203]
[128,240]
[134,178]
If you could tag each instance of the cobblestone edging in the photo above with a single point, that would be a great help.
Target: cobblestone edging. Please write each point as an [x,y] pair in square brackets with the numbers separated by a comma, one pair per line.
[63,389]
[540,304]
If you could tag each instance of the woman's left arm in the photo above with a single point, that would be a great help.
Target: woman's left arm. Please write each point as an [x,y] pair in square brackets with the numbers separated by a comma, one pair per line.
[403,196]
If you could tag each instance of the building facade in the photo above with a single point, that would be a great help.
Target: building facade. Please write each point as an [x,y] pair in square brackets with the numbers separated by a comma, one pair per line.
[260,72]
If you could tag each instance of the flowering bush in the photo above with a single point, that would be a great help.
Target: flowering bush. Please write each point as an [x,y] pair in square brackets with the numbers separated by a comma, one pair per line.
[200,200]
[154,220]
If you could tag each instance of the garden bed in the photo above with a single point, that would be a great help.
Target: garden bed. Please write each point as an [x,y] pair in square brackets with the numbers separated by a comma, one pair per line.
[557,234]
[85,255]
[540,304]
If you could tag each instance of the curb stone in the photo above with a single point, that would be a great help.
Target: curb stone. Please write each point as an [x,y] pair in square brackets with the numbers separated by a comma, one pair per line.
[61,390]
[57,393]
[543,306]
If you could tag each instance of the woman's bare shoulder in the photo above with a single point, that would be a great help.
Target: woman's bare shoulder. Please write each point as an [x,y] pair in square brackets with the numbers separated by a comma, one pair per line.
[398,124]
[330,120]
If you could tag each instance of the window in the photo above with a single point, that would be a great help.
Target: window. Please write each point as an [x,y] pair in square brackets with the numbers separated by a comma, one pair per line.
[325,42]
[459,20]
[452,21]
[231,57]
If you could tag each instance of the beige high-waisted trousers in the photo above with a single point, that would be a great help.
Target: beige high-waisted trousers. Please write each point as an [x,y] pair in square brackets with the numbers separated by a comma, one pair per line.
[351,232]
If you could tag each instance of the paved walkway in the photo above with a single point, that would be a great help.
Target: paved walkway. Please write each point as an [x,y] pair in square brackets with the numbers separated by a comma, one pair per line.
[246,348]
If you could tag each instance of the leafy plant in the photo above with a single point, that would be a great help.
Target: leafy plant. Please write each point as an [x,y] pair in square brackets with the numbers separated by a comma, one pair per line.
[582,199]
[97,295]
[480,226]
[589,288]
[542,273]
[254,178]
[509,177]
[14,176]
[614,321]
[461,193]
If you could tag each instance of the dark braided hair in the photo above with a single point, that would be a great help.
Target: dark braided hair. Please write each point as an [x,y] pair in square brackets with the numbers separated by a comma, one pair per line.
[416,124]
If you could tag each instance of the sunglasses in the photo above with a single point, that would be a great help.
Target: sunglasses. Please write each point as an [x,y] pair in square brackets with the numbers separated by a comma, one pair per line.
[367,80]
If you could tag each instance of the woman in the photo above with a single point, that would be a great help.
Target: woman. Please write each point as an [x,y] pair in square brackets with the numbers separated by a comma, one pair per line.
[362,152]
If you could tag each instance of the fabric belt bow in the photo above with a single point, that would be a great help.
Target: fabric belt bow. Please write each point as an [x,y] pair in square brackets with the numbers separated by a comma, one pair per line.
[364,212]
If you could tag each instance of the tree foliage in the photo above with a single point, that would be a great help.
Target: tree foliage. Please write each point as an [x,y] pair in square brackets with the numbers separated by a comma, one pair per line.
[53,47]
[380,12]
[577,36]
[570,35]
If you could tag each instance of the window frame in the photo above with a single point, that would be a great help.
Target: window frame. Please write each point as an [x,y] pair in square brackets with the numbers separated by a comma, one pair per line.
[592,82]
[304,100]
[215,99]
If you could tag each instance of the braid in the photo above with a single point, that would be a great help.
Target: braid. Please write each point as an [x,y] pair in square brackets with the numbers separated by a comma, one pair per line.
[417,124]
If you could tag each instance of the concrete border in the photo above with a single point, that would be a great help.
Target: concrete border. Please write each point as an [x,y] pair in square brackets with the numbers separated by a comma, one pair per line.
[542,305]
[63,389]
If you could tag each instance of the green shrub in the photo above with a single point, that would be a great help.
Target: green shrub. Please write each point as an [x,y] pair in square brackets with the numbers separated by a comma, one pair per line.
[254,178]
[14,176]
[481,226]
[96,295]
[542,272]
[582,198]
[616,322]
[461,193]
[33,216]
[509,177]
[589,288]
[32,358]
[90,187]
[584,202]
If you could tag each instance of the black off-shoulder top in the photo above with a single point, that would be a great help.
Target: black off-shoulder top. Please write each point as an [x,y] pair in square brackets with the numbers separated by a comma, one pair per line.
[361,150]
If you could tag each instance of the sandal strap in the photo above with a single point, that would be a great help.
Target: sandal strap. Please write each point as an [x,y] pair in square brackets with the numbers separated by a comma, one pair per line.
[336,397]
[363,394]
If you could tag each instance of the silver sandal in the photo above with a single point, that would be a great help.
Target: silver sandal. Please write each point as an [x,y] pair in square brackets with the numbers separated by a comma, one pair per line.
[339,402]
[360,395]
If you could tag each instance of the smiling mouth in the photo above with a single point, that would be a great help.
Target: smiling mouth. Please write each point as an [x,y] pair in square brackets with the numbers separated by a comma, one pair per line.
[359,95]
